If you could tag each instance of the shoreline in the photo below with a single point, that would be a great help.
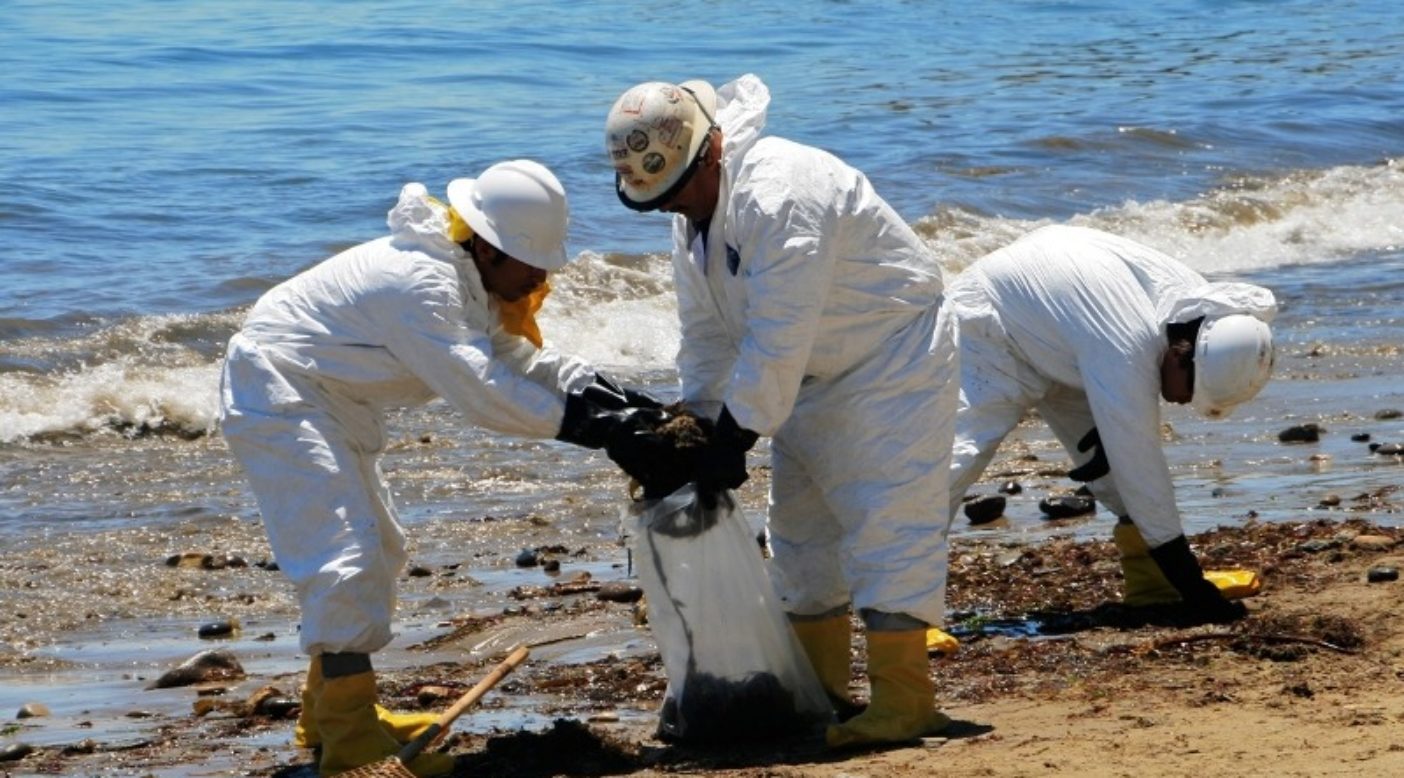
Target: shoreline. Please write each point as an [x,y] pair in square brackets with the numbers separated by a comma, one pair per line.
[600,674]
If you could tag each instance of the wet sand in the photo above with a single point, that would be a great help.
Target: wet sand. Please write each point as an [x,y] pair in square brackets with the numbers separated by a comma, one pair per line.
[90,616]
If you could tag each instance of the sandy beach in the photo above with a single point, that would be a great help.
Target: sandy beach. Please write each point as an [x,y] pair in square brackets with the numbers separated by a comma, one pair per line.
[1053,676]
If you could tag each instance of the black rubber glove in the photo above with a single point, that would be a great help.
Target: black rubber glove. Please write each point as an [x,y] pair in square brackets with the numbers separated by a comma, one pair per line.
[625,397]
[1097,466]
[1182,570]
[722,464]
[594,417]
[653,460]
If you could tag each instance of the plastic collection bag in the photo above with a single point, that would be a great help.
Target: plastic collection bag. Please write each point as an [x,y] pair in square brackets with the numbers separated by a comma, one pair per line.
[735,669]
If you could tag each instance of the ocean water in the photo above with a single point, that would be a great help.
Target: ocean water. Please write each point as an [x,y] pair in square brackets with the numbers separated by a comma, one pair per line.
[166,162]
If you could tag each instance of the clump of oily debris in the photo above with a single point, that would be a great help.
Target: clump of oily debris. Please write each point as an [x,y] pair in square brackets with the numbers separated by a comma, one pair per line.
[685,428]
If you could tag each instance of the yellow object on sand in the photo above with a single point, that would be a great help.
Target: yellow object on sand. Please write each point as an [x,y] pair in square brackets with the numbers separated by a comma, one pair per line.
[1235,584]
[902,703]
[938,642]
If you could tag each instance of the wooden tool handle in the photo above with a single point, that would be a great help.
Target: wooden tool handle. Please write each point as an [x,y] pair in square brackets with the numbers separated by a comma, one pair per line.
[412,748]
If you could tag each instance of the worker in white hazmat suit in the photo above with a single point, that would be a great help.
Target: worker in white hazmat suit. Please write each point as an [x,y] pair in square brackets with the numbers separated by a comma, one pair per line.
[443,306]
[810,313]
[1092,330]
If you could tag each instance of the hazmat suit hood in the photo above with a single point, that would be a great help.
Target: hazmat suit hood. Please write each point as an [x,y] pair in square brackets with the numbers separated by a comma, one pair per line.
[741,112]
[422,221]
[1213,300]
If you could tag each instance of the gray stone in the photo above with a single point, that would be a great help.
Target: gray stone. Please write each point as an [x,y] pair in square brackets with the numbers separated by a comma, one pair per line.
[32,710]
[983,510]
[1302,433]
[204,667]
[1382,574]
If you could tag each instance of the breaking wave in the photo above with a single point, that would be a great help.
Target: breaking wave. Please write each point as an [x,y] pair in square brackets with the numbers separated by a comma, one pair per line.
[160,374]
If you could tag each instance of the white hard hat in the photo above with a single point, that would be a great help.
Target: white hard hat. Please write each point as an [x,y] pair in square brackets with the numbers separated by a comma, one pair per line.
[653,135]
[1233,358]
[520,208]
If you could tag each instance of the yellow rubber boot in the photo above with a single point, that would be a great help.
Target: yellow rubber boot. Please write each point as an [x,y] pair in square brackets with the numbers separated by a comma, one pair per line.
[404,727]
[826,643]
[1145,584]
[346,716]
[305,733]
[903,698]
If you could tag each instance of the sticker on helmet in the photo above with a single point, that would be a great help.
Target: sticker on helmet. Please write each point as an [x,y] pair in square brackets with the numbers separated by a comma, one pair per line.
[653,162]
[666,130]
[638,140]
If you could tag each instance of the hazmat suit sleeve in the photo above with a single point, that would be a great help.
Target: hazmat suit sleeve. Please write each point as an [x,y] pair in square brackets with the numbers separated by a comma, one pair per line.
[512,392]
[544,366]
[1121,377]
[706,352]
[784,224]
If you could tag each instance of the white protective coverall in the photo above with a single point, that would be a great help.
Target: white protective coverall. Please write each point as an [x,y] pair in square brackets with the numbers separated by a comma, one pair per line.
[389,323]
[814,315]
[1072,321]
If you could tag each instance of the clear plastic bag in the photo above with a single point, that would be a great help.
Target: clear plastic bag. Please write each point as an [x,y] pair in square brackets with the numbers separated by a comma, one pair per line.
[735,669]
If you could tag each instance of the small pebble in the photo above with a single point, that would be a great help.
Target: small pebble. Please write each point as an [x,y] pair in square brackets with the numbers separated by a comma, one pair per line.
[1388,413]
[1382,573]
[1066,507]
[527,557]
[619,591]
[1390,450]
[15,751]
[419,571]
[1372,542]
[1011,487]
[551,565]
[1360,437]
[1302,433]
[218,629]
[984,510]
[32,710]
[431,695]
[1330,501]
[206,666]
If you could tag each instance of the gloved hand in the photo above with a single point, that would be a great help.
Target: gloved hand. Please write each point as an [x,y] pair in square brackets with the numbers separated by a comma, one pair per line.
[1183,572]
[1097,466]
[625,397]
[722,463]
[594,417]
[653,460]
